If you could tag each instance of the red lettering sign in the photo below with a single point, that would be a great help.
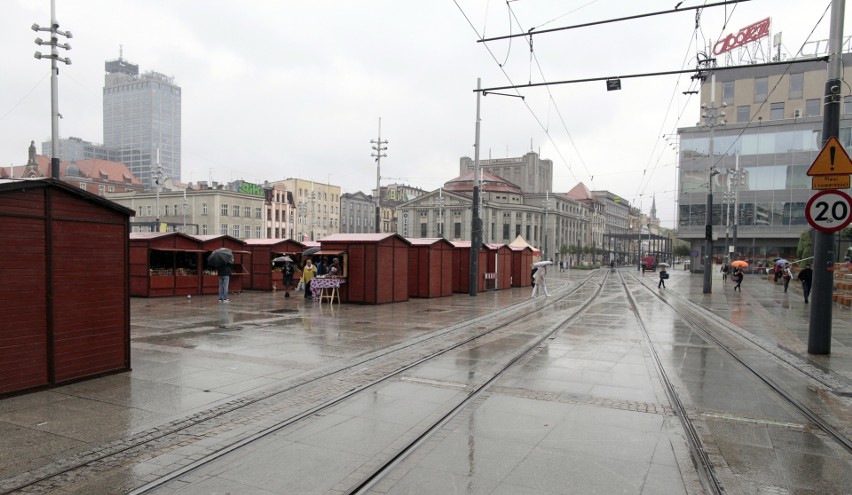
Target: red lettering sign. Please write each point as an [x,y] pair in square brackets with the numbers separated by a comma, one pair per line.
[745,36]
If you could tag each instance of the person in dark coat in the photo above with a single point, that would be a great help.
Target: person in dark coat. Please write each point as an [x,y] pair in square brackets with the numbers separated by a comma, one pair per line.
[806,276]
[288,271]
[663,276]
[224,272]
[738,278]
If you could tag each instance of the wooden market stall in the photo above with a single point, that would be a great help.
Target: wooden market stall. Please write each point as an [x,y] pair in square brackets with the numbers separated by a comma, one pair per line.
[377,266]
[499,266]
[164,264]
[461,267]
[239,272]
[262,274]
[66,288]
[430,267]
[522,260]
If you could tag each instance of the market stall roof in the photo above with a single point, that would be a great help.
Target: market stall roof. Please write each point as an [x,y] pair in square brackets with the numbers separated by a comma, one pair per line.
[365,238]
[270,242]
[423,241]
[520,242]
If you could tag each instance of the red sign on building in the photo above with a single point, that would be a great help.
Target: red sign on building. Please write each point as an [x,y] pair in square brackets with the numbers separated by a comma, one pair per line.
[746,35]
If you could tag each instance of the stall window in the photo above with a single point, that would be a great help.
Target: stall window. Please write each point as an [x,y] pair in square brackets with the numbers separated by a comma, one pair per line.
[225,210]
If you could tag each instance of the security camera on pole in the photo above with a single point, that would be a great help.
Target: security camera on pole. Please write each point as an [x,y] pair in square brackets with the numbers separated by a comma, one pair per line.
[54,80]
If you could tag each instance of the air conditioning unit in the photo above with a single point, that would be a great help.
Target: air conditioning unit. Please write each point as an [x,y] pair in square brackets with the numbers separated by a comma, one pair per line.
[797,113]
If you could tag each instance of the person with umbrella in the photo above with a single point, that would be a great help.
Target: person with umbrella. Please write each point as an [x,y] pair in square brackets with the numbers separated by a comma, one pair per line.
[287,272]
[222,259]
[539,278]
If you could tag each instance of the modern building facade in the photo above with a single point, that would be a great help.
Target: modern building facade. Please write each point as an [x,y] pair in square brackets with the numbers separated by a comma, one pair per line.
[74,148]
[759,160]
[142,120]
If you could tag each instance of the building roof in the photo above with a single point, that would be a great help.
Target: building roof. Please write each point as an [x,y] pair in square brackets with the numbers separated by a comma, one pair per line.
[580,193]
[90,168]
[490,182]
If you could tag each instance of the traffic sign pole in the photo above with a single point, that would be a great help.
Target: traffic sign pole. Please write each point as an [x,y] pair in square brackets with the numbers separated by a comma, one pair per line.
[819,327]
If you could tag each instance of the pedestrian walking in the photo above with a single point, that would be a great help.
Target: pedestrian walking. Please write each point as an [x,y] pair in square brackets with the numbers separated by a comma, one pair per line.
[725,271]
[806,276]
[540,282]
[737,277]
[224,272]
[287,272]
[308,273]
[786,275]
[663,276]
[561,265]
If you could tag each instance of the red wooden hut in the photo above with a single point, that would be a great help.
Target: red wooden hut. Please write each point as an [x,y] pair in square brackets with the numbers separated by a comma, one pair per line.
[522,260]
[239,272]
[461,267]
[65,290]
[377,269]
[263,251]
[430,267]
[164,264]
[499,264]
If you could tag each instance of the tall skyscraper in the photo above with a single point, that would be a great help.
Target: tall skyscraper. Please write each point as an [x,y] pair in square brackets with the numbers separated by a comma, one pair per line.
[142,116]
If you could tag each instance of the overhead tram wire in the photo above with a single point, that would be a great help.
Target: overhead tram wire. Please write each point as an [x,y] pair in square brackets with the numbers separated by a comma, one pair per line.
[642,189]
[596,23]
[502,69]
[645,74]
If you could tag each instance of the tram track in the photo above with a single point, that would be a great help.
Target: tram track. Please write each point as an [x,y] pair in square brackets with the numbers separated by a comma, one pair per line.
[699,319]
[122,451]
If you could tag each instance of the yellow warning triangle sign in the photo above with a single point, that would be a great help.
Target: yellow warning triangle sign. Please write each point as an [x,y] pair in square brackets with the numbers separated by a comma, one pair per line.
[832,160]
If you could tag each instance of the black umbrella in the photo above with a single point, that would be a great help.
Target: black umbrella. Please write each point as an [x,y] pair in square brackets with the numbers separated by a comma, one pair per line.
[310,251]
[282,259]
[220,257]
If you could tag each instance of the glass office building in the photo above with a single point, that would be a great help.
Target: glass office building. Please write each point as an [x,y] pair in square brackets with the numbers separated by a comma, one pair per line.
[772,135]
[142,117]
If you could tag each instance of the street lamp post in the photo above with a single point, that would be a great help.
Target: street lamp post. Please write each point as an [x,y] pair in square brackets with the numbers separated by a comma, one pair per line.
[54,80]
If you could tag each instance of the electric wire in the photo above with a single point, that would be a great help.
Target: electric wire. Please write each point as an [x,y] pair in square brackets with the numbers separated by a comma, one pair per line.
[24,98]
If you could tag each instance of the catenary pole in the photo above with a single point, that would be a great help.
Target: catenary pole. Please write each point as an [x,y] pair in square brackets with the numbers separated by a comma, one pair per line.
[476,222]
[819,327]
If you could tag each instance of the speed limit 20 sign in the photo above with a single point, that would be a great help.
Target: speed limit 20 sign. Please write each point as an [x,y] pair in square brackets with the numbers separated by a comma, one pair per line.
[829,211]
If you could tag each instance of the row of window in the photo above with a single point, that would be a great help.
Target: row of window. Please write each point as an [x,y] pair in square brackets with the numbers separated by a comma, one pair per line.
[235,210]
[776,214]
[245,232]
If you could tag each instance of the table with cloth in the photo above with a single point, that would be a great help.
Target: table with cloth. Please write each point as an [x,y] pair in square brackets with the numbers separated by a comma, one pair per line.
[326,288]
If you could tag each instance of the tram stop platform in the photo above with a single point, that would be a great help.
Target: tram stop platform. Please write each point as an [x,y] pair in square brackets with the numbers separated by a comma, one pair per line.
[585,414]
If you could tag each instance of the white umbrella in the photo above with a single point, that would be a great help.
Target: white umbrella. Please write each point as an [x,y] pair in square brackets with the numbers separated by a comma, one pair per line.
[542,263]
[663,264]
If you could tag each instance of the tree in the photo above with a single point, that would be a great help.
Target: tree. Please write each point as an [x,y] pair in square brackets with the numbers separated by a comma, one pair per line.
[804,249]
[682,250]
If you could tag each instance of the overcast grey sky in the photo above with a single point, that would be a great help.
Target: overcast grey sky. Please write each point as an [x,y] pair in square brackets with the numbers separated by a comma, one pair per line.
[277,89]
